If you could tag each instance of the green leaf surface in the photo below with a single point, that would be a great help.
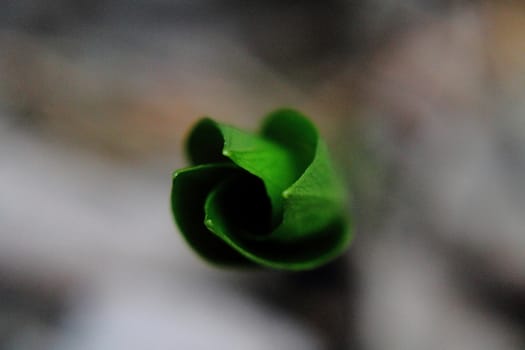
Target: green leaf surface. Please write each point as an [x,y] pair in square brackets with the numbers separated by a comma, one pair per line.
[273,164]
[191,187]
[271,198]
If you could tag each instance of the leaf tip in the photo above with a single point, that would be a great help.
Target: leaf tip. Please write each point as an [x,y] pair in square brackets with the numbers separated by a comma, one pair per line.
[176,173]
[208,223]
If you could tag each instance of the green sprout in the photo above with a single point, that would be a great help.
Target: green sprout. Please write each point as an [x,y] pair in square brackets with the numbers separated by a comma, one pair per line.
[271,198]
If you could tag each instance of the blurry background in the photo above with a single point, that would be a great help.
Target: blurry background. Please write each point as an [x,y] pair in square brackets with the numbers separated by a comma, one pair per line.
[422,102]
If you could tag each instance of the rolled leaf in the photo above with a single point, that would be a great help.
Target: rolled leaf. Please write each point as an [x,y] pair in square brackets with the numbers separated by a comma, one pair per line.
[270,198]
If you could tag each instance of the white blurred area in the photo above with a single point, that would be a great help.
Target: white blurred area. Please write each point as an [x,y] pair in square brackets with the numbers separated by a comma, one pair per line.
[421,101]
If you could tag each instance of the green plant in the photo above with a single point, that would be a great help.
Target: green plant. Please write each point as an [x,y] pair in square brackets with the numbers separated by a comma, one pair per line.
[271,198]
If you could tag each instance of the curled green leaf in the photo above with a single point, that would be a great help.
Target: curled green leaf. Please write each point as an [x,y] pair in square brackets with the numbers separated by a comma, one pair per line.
[270,198]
